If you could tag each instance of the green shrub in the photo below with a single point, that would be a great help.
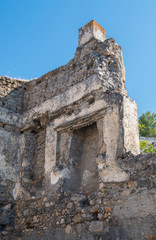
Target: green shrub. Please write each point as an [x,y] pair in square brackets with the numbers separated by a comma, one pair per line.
[147,124]
[146,147]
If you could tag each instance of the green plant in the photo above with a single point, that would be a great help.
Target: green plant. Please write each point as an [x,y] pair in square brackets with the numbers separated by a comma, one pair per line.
[146,147]
[147,124]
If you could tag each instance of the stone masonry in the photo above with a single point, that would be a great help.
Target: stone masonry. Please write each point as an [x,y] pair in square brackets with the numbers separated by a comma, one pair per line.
[70,166]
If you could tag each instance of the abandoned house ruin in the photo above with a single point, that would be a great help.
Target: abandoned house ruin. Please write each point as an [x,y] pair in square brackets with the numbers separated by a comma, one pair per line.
[70,166]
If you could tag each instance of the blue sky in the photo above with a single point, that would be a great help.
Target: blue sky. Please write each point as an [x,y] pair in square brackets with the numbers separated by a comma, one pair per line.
[36,36]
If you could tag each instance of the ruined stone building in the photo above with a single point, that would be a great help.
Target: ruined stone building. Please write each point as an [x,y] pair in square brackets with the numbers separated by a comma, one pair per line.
[69,152]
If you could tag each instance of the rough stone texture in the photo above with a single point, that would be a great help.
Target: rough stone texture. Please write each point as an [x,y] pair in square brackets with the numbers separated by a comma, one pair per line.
[89,31]
[68,142]
[11,93]
[124,210]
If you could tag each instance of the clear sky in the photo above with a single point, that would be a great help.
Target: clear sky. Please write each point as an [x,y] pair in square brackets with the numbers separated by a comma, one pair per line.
[36,36]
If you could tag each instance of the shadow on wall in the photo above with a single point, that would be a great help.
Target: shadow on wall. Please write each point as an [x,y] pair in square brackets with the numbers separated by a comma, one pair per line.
[82,160]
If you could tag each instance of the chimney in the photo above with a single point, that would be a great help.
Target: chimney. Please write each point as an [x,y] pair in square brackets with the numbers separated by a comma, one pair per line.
[90,31]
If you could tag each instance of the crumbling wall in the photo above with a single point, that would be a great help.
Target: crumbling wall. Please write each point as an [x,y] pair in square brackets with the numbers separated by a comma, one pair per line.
[99,60]
[11,93]
[7,211]
[32,159]
[123,210]
[64,141]
[8,175]
[81,161]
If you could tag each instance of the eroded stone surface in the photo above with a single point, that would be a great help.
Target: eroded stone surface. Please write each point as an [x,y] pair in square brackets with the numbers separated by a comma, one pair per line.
[64,139]
[90,31]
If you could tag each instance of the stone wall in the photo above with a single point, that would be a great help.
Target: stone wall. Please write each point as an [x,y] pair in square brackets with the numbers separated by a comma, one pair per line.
[7,210]
[101,60]
[11,93]
[123,210]
[8,176]
[68,142]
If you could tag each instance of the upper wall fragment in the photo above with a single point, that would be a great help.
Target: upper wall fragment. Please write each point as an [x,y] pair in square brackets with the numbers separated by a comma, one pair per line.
[90,31]
[88,91]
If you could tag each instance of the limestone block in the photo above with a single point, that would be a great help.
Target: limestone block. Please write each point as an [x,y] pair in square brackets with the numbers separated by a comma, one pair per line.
[130,126]
[89,31]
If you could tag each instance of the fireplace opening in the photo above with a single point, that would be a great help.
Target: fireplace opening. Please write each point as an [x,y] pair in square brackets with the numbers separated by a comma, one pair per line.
[82,160]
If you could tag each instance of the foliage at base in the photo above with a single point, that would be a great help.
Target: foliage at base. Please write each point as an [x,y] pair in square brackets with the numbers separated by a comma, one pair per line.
[146,147]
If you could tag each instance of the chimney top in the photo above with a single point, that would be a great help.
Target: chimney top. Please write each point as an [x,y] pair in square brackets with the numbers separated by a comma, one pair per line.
[89,31]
